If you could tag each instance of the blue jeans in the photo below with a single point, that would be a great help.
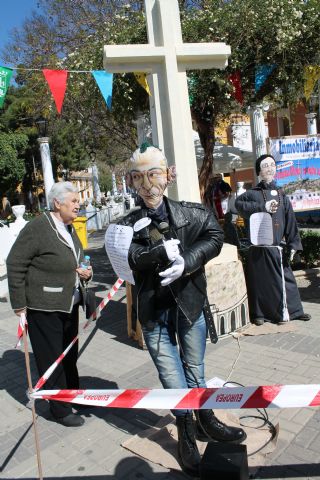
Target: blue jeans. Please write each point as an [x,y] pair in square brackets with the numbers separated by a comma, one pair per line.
[178,369]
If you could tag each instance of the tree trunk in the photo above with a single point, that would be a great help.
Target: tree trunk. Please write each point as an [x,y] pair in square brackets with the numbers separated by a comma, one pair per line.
[205,128]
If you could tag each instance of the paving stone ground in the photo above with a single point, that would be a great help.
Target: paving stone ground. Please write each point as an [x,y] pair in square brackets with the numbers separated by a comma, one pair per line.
[109,359]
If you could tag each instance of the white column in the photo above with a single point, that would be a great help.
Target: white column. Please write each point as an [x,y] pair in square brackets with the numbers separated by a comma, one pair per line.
[114,184]
[46,165]
[96,187]
[124,186]
[258,131]
[144,133]
[312,123]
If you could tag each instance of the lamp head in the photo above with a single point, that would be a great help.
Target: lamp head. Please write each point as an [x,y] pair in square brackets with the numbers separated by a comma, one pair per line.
[42,125]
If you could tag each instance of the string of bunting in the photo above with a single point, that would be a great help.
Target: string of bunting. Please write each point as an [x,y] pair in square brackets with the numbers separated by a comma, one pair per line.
[57,81]
[262,72]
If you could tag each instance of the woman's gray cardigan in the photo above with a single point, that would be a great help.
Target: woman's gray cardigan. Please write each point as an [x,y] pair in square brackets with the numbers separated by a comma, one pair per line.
[42,267]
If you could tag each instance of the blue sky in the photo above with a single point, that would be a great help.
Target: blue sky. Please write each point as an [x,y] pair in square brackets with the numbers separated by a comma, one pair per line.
[13,13]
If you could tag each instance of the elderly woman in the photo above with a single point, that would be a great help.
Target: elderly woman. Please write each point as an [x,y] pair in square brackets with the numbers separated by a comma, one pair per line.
[46,283]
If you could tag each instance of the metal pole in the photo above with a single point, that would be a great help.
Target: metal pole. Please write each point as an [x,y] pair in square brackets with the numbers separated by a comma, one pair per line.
[35,179]
[46,166]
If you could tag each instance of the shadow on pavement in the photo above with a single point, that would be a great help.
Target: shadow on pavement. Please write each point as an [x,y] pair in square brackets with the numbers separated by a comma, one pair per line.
[311,292]
[303,470]
[113,321]
[16,386]
[102,270]
[128,468]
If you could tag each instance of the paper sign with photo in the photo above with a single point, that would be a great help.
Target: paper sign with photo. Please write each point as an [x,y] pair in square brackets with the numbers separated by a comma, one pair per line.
[117,242]
[261,230]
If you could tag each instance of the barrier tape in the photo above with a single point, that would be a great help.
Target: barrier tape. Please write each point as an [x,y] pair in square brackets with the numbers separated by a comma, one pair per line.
[23,324]
[96,314]
[42,380]
[269,396]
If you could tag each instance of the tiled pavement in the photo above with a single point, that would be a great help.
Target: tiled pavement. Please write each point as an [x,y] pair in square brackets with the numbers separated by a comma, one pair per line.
[108,359]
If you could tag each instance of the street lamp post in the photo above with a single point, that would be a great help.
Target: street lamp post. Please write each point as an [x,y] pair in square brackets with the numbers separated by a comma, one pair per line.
[312,116]
[95,178]
[43,140]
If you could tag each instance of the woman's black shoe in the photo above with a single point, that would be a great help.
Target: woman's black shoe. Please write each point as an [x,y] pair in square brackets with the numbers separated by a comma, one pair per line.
[70,420]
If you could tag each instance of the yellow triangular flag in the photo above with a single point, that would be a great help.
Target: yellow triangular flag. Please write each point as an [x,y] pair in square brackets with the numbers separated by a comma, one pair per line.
[311,75]
[142,79]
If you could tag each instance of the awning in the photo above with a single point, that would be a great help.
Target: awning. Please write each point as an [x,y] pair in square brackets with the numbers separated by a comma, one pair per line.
[226,157]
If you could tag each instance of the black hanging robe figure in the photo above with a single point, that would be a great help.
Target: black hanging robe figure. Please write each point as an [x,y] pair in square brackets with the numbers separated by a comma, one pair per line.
[272,289]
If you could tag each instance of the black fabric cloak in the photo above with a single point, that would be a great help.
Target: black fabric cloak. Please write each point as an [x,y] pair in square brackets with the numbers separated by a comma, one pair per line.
[264,265]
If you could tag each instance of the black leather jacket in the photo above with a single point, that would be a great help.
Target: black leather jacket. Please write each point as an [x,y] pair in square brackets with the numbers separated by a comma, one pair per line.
[201,239]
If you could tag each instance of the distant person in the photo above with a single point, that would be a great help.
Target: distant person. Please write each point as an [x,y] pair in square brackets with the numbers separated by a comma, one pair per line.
[216,193]
[46,283]
[272,289]
[42,200]
[6,207]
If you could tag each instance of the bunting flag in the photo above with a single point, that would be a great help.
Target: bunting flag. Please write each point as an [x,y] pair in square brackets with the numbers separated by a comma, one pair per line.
[311,75]
[57,81]
[105,82]
[235,79]
[262,73]
[5,77]
[141,78]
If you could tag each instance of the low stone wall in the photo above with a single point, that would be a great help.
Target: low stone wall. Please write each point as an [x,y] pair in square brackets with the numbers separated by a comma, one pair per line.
[227,291]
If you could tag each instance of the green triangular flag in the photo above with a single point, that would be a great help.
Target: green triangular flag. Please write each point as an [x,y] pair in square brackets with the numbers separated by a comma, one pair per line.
[5,77]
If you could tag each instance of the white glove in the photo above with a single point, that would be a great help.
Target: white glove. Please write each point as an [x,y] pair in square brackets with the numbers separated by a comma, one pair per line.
[271,206]
[174,272]
[292,252]
[172,248]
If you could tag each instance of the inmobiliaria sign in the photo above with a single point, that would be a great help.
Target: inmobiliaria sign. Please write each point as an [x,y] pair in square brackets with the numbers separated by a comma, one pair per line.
[298,169]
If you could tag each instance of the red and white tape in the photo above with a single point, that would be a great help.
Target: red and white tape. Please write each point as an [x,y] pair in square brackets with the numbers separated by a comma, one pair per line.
[269,396]
[96,314]
[42,380]
[23,324]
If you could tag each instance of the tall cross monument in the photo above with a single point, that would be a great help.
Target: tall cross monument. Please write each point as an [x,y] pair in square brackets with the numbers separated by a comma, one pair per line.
[166,58]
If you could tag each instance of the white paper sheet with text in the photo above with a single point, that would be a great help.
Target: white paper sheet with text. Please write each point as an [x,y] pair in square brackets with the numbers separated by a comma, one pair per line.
[261,230]
[117,242]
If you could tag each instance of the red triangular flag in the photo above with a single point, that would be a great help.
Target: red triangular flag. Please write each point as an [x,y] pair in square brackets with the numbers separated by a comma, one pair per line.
[57,81]
[235,79]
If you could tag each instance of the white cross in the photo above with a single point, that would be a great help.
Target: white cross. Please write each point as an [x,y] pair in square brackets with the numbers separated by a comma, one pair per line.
[167,58]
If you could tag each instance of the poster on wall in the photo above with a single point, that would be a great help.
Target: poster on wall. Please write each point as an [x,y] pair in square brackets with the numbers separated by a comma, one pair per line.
[298,169]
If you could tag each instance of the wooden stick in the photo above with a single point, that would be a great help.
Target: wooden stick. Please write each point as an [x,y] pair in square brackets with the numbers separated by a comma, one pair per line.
[129,309]
[36,436]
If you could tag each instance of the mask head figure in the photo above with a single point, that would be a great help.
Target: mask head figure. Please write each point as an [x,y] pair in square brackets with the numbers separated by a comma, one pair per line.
[149,174]
[266,168]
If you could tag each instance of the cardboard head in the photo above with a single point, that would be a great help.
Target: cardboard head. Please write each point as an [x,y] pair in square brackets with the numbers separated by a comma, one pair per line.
[266,168]
[149,174]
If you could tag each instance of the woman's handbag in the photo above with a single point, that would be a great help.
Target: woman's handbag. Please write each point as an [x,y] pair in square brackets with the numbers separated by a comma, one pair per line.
[90,303]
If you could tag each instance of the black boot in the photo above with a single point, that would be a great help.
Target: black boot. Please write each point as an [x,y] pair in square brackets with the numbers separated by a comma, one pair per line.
[188,452]
[210,428]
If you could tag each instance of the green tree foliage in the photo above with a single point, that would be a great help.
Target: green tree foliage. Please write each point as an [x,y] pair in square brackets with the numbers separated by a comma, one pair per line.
[283,33]
[12,166]
[71,35]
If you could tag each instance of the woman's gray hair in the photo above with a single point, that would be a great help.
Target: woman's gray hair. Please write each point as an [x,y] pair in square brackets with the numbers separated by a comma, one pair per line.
[58,192]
